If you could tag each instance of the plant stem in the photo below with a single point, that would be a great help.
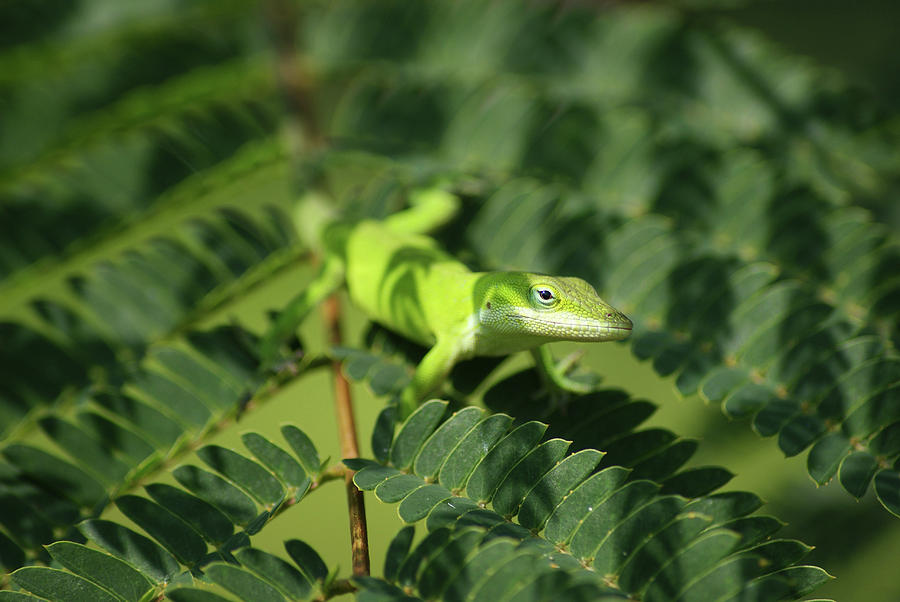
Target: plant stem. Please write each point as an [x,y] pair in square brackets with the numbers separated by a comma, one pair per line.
[359,539]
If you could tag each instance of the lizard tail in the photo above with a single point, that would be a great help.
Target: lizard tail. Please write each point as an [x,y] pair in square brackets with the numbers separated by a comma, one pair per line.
[430,208]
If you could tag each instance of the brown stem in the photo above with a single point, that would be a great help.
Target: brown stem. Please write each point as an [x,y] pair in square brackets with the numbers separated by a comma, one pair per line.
[359,539]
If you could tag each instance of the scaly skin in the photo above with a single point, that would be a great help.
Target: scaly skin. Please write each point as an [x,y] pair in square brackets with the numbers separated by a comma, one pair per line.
[406,283]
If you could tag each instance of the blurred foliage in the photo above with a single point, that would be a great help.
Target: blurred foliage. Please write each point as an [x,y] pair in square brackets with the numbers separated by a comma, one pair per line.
[738,202]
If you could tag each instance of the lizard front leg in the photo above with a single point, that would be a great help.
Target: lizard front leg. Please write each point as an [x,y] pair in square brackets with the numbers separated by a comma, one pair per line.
[431,372]
[555,374]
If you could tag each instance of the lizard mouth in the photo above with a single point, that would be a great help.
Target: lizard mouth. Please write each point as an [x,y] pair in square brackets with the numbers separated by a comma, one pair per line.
[575,329]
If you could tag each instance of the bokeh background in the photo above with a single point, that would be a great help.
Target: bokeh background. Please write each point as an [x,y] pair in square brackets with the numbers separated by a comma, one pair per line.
[112,111]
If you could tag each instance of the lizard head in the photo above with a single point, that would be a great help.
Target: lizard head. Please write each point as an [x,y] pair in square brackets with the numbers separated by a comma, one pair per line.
[550,307]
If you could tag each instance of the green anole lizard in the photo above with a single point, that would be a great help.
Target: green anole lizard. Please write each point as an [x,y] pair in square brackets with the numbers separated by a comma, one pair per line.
[401,279]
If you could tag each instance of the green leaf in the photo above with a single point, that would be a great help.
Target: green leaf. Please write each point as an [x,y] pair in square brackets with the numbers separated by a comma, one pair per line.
[190,594]
[106,571]
[277,572]
[397,552]
[439,569]
[304,448]
[307,559]
[555,485]
[418,504]
[857,471]
[279,462]
[626,536]
[826,455]
[702,554]
[250,476]
[243,584]
[606,515]
[207,520]
[397,487]
[144,554]
[780,553]
[55,584]
[383,434]
[158,427]
[171,395]
[173,533]
[655,552]
[572,511]
[887,489]
[695,482]
[371,476]
[220,493]
[471,449]
[10,596]
[726,580]
[434,451]
[518,482]
[132,445]
[491,471]
[57,475]
[414,431]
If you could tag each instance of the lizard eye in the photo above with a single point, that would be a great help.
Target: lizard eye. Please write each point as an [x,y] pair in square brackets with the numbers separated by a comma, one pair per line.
[544,296]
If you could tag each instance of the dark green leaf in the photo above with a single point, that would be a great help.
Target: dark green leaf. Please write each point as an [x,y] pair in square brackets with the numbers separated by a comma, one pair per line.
[243,584]
[397,552]
[373,475]
[304,449]
[55,474]
[277,572]
[420,502]
[205,518]
[106,571]
[190,594]
[689,563]
[129,443]
[220,493]
[307,559]
[607,514]
[525,474]
[250,476]
[54,584]
[279,462]
[144,554]
[803,579]
[442,567]
[443,440]
[724,581]
[857,471]
[159,427]
[572,511]
[490,555]
[197,376]
[173,533]
[383,434]
[650,557]
[471,449]
[627,536]
[491,471]
[780,553]
[887,488]
[826,455]
[696,482]
[181,403]
[89,452]
[398,487]
[414,431]
[554,486]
